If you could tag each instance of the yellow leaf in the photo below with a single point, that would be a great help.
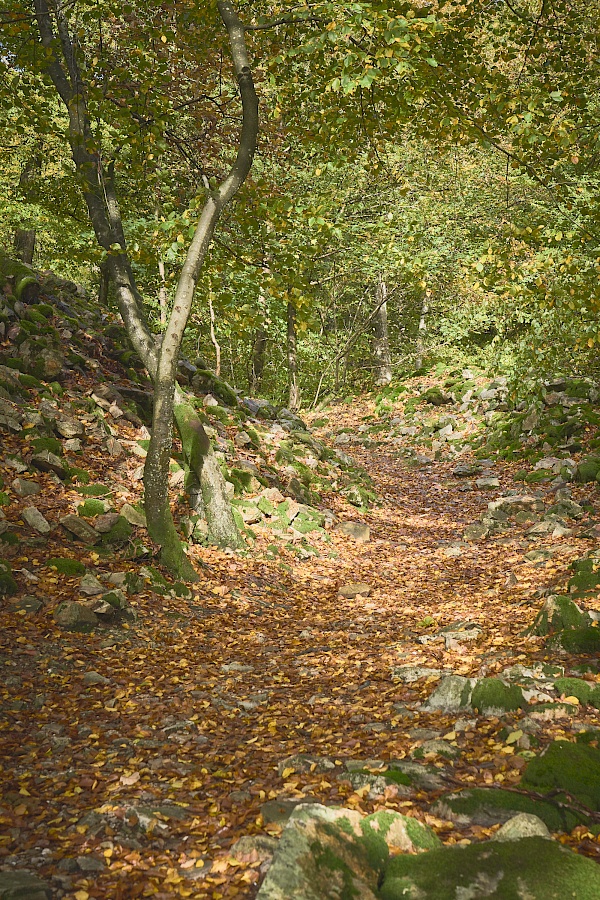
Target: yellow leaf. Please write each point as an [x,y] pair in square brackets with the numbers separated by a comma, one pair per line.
[514,736]
[20,810]
[287,772]
[82,895]
[451,736]
[24,792]
[130,779]
[572,700]
[21,640]
[163,38]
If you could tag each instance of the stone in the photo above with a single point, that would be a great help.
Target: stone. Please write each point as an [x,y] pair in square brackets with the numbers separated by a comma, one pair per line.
[302,762]
[69,428]
[80,528]
[453,694]
[569,767]
[90,864]
[90,586]
[29,605]
[476,532]
[36,520]
[73,445]
[133,515]
[254,848]
[356,530]
[236,667]
[488,483]
[26,487]
[521,826]
[114,447]
[493,695]
[210,401]
[48,462]
[435,748]
[106,521]
[409,673]
[353,590]
[95,678]
[327,853]
[277,812]
[557,614]
[75,617]
[23,885]
[532,868]
[492,806]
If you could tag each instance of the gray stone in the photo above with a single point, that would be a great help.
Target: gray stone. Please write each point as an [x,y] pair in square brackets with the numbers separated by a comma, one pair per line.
[75,617]
[26,487]
[90,864]
[48,462]
[302,762]
[28,604]
[22,885]
[476,532]
[410,673]
[69,428]
[105,522]
[80,528]
[95,678]
[323,852]
[452,694]
[254,848]
[522,826]
[73,445]
[359,532]
[114,447]
[210,401]
[488,483]
[352,590]
[90,586]
[133,515]
[36,520]
[436,748]
[236,667]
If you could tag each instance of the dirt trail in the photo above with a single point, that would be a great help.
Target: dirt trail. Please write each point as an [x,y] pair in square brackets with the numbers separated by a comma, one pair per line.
[202,698]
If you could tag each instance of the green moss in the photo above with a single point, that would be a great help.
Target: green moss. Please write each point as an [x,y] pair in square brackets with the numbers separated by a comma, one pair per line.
[537,477]
[47,443]
[588,469]
[205,381]
[328,861]
[497,804]
[8,585]
[4,499]
[33,315]
[581,640]
[573,687]
[532,867]
[120,532]
[557,614]
[594,698]
[94,490]
[16,363]
[587,574]
[29,381]
[92,508]
[492,693]
[572,768]
[434,396]
[66,566]
[80,475]
[395,776]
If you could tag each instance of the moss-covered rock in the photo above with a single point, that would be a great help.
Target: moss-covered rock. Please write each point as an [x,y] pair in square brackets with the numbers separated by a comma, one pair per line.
[588,469]
[533,868]
[573,687]
[65,566]
[581,640]
[587,574]
[206,382]
[47,443]
[435,396]
[572,768]
[119,533]
[494,694]
[557,614]
[93,490]
[489,806]
[92,508]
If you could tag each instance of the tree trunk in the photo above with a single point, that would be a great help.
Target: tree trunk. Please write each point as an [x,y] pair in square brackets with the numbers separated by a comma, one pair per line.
[104,285]
[258,361]
[381,343]
[24,244]
[422,332]
[292,356]
[99,192]
[213,338]
[162,293]
[206,485]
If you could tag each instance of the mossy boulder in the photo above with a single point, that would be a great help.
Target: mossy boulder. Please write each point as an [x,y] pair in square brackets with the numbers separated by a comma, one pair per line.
[435,397]
[565,767]
[92,508]
[581,640]
[494,694]
[587,574]
[557,614]
[490,806]
[119,533]
[206,382]
[588,469]
[573,687]
[65,566]
[47,443]
[533,868]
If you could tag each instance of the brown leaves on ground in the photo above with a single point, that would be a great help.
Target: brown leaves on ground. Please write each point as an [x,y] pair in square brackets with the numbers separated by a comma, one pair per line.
[139,786]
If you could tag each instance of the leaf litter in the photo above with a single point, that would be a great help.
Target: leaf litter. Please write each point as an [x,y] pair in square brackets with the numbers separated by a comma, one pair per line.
[135,758]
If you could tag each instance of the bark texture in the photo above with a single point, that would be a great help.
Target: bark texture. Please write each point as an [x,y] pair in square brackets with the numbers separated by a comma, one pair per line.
[292,356]
[381,341]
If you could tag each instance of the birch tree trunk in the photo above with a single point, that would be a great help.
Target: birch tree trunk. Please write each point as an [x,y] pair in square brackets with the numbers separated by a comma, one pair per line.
[292,356]
[381,342]
[422,332]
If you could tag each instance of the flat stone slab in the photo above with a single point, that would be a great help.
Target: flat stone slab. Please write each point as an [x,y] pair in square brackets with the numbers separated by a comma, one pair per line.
[22,885]
[356,530]
[354,589]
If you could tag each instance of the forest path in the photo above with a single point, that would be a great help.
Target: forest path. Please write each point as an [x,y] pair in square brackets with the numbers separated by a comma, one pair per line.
[138,759]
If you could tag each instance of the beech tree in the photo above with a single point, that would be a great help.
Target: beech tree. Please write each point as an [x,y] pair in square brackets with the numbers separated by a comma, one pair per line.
[61,56]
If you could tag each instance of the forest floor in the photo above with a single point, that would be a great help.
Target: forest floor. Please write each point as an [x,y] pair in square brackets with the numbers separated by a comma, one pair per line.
[137,783]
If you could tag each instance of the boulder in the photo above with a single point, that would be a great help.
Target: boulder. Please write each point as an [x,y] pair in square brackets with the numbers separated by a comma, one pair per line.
[492,806]
[80,528]
[353,590]
[452,694]
[357,530]
[568,767]
[327,853]
[493,696]
[532,867]
[557,614]
[75,617]
[36,520]
[25,487]
[521,826]
[22,885]
[48,462]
